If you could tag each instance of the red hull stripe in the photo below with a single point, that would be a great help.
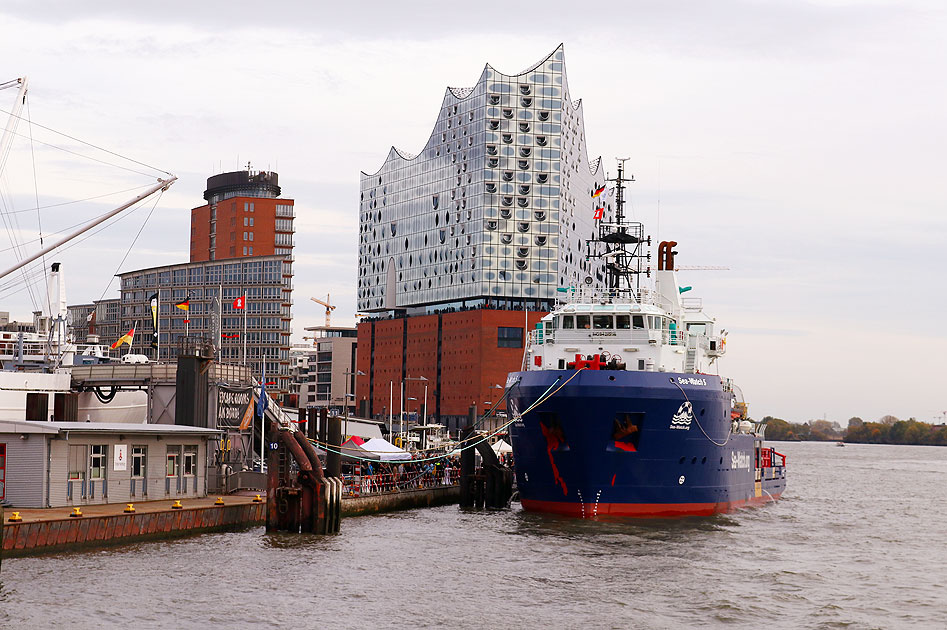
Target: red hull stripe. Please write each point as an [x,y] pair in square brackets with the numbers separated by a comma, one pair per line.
[653,510]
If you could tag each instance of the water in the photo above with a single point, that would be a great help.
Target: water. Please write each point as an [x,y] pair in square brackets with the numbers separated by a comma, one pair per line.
[859,540]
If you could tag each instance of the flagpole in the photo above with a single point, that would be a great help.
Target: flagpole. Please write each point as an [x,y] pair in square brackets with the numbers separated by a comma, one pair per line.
[245,329]
[220,321]
[158,326]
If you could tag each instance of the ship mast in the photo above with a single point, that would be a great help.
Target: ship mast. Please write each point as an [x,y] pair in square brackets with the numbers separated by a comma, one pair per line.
[620,244]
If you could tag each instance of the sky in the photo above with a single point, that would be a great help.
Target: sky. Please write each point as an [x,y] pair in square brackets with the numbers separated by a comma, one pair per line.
[800,144]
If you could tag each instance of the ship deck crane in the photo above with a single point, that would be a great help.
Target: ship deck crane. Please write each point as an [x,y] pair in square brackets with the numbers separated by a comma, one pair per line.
[329,307]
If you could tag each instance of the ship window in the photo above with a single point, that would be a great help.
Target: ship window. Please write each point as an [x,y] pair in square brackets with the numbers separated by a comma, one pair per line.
[582,321]
[622,322]
[568,322]
[700,329]
[602,322]
[638,321]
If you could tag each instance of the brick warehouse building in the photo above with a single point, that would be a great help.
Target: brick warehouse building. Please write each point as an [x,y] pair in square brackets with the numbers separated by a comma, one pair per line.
[461,243]
[464,355]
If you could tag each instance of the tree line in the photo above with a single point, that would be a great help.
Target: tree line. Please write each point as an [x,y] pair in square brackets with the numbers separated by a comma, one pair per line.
[888,430]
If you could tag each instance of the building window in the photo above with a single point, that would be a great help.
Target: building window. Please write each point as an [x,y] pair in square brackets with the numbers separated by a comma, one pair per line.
[190,461]
[251,221]
[244,251]
[77,462]
[139,461]
[251,250]
[251,206]
[251,236]
[245,221]
[97,461]
[174,461]
[509,337]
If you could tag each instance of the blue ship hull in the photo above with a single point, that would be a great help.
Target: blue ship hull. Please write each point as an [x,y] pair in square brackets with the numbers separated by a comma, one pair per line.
[624,443]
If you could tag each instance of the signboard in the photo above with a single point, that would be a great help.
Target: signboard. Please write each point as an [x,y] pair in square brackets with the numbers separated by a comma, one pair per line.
[120,458]
[231,406]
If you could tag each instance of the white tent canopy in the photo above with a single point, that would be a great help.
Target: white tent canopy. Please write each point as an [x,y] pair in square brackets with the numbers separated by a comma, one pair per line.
[387,451]
[502,447]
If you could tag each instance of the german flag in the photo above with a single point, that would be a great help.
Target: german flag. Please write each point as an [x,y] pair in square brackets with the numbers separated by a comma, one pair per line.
[126,338]
[185,305]
[598,191]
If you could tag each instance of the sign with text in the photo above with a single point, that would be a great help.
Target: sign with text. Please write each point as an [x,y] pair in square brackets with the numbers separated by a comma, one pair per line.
[231,406]
[120,458]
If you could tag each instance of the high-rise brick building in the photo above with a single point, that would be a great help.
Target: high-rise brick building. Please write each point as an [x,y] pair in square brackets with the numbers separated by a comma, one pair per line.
[244,216]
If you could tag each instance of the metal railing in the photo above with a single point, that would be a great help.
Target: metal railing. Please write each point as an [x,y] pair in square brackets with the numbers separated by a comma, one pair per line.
[387,483]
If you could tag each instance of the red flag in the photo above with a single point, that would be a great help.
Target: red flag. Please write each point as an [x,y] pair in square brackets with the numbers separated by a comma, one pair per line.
[240,302]
[598,214]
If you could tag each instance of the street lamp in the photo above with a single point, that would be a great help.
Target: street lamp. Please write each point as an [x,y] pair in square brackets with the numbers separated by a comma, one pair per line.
[345,402]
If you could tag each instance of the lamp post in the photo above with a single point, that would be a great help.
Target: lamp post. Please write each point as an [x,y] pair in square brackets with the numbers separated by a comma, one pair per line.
[345,402]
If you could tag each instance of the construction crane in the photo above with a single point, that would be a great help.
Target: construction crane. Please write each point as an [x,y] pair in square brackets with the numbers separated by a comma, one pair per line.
[329,307]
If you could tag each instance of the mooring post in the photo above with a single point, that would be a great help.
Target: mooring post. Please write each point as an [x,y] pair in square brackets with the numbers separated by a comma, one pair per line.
[272,478]
[311,429]
[466,468]
[302,424]
[333,452]
[323,428]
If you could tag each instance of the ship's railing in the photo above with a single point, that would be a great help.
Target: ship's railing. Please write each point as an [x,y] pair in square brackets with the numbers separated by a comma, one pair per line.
[633,336]
[768,458]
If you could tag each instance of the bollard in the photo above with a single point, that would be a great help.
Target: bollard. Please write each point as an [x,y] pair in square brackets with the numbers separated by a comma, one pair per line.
[76,512]
[258,499]
[15,517]
[177,505]
[129,508]
[220,501]
[467,437]
[334,442]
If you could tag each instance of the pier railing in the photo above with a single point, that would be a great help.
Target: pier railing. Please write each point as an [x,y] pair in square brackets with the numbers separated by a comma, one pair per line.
[387,483]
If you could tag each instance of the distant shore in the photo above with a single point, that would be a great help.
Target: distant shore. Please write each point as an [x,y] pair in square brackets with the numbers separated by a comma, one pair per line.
[887,430]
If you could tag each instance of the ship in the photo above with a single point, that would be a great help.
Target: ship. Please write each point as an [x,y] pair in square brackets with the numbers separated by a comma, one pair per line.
[615,411]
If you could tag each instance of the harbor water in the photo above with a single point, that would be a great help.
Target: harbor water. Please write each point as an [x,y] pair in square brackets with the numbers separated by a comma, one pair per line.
[859,540]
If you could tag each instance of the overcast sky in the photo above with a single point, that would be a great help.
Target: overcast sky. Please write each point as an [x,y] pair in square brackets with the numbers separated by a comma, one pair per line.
[801,144]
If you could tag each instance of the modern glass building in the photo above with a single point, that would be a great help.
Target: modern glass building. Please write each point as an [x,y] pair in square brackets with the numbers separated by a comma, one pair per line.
[495,209]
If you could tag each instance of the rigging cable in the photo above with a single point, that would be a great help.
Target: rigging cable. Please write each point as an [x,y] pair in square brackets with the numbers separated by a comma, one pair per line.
[39,218]
[94,146]
[135,240]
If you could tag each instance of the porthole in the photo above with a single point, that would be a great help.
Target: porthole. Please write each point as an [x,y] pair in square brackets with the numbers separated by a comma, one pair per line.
[694,460]
[680,461]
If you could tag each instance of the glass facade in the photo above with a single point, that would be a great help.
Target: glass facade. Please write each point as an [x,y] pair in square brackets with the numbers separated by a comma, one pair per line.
[498,204]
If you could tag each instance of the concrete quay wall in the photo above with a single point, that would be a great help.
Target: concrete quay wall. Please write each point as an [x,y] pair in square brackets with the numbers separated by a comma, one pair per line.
[62,534]
[52,530]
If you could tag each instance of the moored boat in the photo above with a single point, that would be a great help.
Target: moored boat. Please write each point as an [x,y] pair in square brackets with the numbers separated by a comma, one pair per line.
[614,410]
